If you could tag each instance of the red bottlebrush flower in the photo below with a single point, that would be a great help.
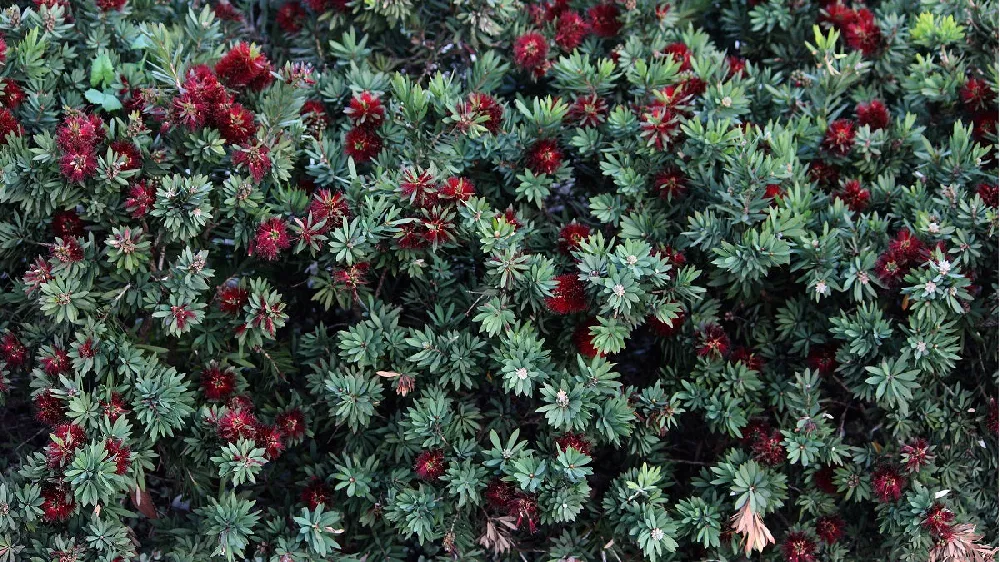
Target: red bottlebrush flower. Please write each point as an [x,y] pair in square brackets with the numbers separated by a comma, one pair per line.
[12,351]
[39,273]
[57,503]
[49,409]
[798,547]
[863,33]
[989,194]
[938,520]
[419,188]
[693,87]
[480,106]
[774,192]
[670,184]
[217,383]
[271,238]
[838,15]
[499,494]
[749,359]
[767,449]
[438,230]
[66,224]
[667,329]
[917,454]
[130,152]
[530,50]
[873,113]
[681,53]
[823,480]
[890,269]
[823,173]
[571,235]
[205,88]
[240,402]
[544,156]
[67,250]
[328,206]
[888,483]
[141,197]
[430,465]
[57,363]
[79,166]
[409,238]
[569,295]
[115,407]
[839,137]
[85,349]
[66,439]
[830,528]
[571,30]
[315,493]
[976,94]
[674,257]
[235,123]
[822,358]
[604,20]
[362,144]
[755,430]
[269,438]
[292,423]
[906,247]
[574,440]
[457,189]
[226,12]
[658,127]
[12,95]
[238,424]
[525,508]
[244,66]
[120,453]
[8,125]
[736,67]
[290,16]
[366,111]
[314,115]
[587,110]
[255,158]
[584,341]
[80,133]
[232,299]
[111,5]
[855,196]
[714,342]
[3,50]
[353,276]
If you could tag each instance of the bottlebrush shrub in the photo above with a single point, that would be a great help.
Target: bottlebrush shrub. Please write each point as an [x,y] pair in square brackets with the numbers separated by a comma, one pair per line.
[343,280]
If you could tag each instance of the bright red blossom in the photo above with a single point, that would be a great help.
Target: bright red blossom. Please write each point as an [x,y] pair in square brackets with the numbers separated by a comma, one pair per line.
[938,520]
[244,66]
[574,440]
[269,438]
[120,453]
[544,156]
[989,194]
[315,494]
[66,439]
[292,423]
[66,224]
[568,296]
[571,30]
[976,94]
[77,167]
[587,110]
[604,20]
[8,125]
[798,547]
[12,95]
[141,196]
[271,238]
[290,16]
[362,144]
[49,408]
[873,113]
[12,351]
[670,183]
[584,340]
[714,342]
[530,50]
[232,299]
[888,483]
[255,158]
[680,53]
[854,196]
[839,137]
[916,455]
[571,235]
[217,383]
[238,424]
[365,110]
[499,493]
[830,528]
[57,503]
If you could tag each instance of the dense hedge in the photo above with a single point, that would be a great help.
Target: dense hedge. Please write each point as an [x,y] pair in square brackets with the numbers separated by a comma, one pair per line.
[484,279]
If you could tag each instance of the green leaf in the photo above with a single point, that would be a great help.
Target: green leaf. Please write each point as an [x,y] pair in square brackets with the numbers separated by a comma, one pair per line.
[102,72]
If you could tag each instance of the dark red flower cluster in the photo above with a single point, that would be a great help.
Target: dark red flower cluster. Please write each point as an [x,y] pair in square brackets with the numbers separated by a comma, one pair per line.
[120,453]
[271,239]
[584,340]
[544,157]
[292,423]
[713,342]
[989,193]
[798,547]
[905,251]
[56,362]
[980,104]
[873,113]
[746,356]
[823,480]
[232,299]
[670,183]
[823,173]
[917,454]
[351,277]
[822,358]
[245,66]
[854,196]
[57,503]
[858,27]
[8,125]
[362,142]
[571,30]
[499,494]
[239,422]
[79,138]
[217,383]
[115,407]
[766,446]
[12,94]
[659,126]
[603,19]
[255,158]
[316,493]
[888,483]
[290,16]
[481,109]
[531,52]
[430,465]
[736,67]
[571,235]
[681,55]
[67,224]
[66,439]
[12,351]
[587,110]
[938,521]
[49,408]
[141,196]
[839,139]
[830,528]
[574,440]
[568,296]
